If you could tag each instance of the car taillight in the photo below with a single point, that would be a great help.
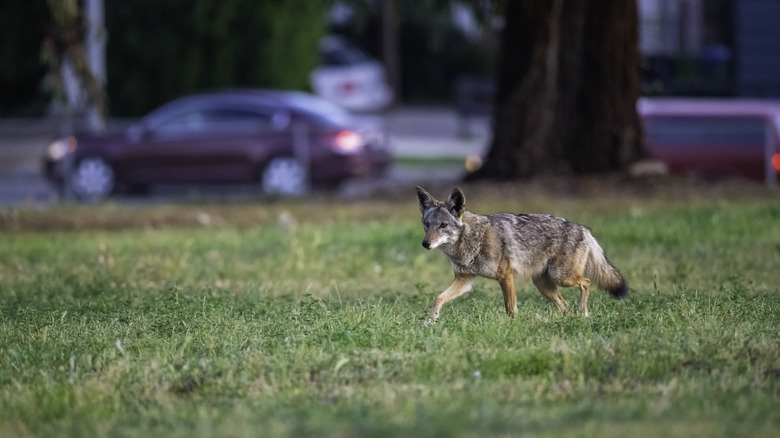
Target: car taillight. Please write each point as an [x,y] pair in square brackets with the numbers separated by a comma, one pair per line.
[348,141]
[776,162]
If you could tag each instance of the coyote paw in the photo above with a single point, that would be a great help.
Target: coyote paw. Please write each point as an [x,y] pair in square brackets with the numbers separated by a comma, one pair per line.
[429,321]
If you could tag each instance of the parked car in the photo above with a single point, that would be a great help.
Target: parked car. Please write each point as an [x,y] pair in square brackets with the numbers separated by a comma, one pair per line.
[349,77]
[714,137]
[287,142]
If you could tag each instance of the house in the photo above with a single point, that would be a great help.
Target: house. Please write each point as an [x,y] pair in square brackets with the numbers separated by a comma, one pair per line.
[710,47]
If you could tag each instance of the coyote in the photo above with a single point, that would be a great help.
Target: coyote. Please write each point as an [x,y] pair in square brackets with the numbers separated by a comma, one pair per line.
[551,250]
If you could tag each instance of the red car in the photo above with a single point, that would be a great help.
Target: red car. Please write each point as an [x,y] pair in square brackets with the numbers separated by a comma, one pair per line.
[714,137]
[287,142]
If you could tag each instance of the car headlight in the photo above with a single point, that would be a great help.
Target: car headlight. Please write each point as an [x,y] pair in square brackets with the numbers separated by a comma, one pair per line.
[61,147]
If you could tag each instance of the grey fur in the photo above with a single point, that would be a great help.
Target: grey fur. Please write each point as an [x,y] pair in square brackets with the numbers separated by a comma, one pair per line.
[552,251]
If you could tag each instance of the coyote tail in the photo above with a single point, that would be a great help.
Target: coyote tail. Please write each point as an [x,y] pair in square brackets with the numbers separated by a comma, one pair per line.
[603,273]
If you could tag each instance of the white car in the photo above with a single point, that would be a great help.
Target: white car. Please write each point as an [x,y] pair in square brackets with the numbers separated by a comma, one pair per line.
[349,77]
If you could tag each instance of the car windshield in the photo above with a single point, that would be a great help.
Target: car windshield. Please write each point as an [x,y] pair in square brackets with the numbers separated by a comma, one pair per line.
[320,110]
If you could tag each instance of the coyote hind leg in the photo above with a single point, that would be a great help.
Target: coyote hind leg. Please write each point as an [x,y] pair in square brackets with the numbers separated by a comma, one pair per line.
[550,291]
[584,285]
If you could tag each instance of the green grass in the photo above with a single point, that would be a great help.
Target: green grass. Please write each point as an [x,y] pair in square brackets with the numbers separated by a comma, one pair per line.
[429,162]
[149,322]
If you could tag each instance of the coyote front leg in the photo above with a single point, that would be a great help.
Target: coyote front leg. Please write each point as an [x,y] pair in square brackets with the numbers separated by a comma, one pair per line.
[506,278]
[460,286]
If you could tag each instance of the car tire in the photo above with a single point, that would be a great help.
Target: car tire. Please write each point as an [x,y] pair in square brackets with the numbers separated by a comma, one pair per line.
[285,176]
[92,179]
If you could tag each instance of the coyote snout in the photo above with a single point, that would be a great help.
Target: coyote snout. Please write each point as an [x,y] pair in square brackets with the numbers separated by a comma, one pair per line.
[550,250]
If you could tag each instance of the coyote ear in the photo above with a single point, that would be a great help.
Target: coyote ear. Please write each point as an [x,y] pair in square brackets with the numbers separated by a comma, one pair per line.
[456,202]
[425,199]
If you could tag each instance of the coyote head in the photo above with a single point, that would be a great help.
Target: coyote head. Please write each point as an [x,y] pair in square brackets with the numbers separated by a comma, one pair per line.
[442,220]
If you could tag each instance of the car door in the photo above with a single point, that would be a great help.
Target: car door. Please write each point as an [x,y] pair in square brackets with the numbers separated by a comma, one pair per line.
[710,145]
[202,145]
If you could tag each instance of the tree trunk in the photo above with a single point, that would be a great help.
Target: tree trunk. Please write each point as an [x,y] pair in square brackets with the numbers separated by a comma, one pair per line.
[390,56]
[65,51]
[567,87]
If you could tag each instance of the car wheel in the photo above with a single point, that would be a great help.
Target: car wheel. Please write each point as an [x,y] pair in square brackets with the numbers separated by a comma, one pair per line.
[92,179]
[285,176]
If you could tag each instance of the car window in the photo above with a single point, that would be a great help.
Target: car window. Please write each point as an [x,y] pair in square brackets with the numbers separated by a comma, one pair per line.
[182,122]
[216,120]
[710,131]
[343,55]
[776,120]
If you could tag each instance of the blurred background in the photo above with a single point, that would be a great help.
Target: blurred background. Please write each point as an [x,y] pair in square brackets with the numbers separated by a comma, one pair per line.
[424,71]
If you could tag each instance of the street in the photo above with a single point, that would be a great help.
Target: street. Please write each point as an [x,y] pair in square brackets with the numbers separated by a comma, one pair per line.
[416,134]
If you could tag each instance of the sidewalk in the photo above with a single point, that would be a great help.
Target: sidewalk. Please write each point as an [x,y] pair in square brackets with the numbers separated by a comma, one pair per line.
[435,132]
[426,134]
[21,144]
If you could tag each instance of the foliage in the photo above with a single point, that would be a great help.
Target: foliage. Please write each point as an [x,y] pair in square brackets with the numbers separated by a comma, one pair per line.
[234,329]
[22,30]
[160,50]
[434,52]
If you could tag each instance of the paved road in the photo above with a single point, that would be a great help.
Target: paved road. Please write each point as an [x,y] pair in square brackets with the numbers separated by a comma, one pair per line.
[416,132]
[21,144]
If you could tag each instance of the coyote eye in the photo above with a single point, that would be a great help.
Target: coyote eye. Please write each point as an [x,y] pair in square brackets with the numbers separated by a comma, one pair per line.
[443,225]
[427,224]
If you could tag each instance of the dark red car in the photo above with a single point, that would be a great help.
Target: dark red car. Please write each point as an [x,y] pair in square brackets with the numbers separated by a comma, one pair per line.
[714,137]
[287,142]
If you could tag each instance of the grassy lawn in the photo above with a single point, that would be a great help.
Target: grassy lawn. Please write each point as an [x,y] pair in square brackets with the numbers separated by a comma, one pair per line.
[306,319]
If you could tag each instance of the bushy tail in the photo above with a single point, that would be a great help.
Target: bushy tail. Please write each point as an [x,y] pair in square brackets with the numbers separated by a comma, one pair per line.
[603,273]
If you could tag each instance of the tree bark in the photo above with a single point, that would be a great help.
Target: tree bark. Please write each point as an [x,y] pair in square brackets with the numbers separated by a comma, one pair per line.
[66,48]
[567,87]
[390,56]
